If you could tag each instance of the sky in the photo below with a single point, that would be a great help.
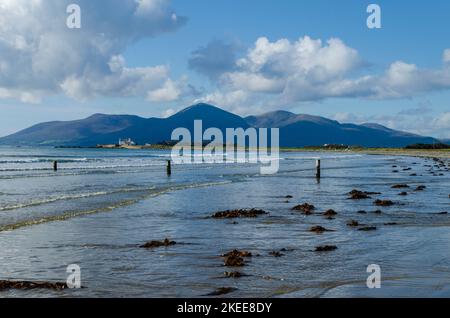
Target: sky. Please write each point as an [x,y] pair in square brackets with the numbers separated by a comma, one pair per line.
[155,57]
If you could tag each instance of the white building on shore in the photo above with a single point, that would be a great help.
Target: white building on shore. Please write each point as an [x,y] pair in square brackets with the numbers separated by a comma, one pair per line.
[126,142]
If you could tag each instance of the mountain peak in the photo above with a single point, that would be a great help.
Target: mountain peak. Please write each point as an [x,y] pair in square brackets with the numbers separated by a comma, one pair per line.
[201,107]
[282,118]
[203,111]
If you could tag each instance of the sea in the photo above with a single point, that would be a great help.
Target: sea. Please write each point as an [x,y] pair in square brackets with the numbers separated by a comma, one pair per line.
[101,205]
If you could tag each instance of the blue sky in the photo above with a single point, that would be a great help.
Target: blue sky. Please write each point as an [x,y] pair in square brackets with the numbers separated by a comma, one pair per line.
[163,76]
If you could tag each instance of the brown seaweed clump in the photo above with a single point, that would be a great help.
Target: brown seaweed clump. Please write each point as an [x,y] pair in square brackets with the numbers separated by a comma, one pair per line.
[319,229]
[420,188]
[155,244]
[234,261]
[253,213]
[6,284]
[237,253]
[306,208]
[222,291]
[235,258]
[383,202]
[400,186]
[276,253]
[330,213]
[368,228]
[233,274]
[326,248]
[360,195]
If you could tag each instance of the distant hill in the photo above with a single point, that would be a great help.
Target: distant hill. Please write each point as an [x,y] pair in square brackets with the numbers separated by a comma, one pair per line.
[295,130]
[68,132]
[445,141]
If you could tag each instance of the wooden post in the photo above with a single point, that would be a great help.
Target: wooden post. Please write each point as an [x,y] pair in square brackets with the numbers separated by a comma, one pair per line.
[169,168]
[55,165]
[318,168]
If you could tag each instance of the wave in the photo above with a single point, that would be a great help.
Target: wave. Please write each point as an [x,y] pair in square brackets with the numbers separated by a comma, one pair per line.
[69,197]
[110,208]
[155,163]
[325,157]
[44,160]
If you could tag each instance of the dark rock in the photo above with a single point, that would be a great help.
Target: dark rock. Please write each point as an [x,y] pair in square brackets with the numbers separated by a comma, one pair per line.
[442,213]
[237,253]
[6,284]
[276,254]
[233,274]
[420,188]
[400,186]
[352,223]
[288,197]
[253,213]
[391,223]
[368,228]
[222,291]
[377,212]
[155,244]
[403,193]
[306,208]
[330,213]
[360,195]
[383,202]
[326,248]
[361,212]
[319,229]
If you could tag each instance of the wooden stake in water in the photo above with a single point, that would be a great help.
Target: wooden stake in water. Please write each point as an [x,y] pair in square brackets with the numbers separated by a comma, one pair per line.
[169,168]
[55,165]
[318,168]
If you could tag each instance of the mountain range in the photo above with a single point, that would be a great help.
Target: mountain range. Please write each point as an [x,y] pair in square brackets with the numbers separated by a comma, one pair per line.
[295,130]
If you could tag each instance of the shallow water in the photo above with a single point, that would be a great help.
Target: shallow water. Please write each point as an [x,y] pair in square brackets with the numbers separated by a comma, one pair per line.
[102,204]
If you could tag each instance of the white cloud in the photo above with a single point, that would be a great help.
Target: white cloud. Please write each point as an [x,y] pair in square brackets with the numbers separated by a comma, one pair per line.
[286,72]
[443,121]
[40,56]
[228,100]
[169,92]
[415,121]
[446,56]
[305,69]
[168,112]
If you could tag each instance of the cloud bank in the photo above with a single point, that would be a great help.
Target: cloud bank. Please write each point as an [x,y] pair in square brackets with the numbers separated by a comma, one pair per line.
[284,72]
[40,56]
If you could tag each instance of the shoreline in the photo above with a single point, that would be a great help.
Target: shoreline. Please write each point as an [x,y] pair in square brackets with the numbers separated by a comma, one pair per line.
[422,153]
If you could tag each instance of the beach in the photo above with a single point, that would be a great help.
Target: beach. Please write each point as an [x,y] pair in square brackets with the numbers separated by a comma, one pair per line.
[103,205]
